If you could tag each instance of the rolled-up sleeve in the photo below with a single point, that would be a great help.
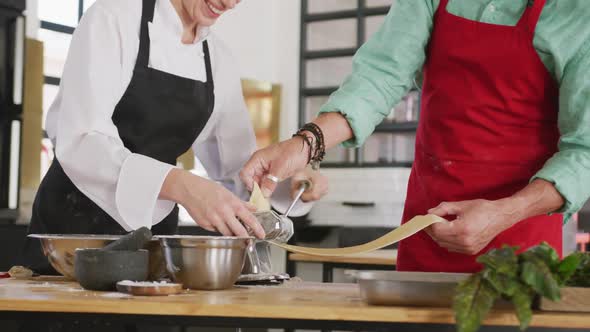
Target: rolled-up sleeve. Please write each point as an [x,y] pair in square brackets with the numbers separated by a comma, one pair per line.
[384,68]
[88,146]
[569,168]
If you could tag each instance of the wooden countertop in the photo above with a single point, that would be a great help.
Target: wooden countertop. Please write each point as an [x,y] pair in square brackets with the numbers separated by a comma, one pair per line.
[293,300]
[377,257]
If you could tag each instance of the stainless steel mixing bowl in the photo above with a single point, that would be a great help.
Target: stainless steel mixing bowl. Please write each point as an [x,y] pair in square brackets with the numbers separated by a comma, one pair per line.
[60,250]
[205,262]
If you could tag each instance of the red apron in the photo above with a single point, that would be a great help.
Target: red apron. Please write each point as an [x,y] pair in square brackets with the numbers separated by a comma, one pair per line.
[488,124]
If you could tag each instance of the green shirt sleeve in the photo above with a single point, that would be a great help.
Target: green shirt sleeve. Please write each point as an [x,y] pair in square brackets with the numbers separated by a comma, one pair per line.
[569,169]
[384,68]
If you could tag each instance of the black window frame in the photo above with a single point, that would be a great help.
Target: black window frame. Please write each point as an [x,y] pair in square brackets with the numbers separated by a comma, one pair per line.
[361,13]
[61,28]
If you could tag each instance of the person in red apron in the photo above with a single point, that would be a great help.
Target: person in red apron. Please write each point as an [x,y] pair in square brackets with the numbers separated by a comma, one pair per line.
[489,122]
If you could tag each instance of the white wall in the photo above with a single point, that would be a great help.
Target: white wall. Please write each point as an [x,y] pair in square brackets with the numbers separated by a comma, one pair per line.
[264,37]
[33,21]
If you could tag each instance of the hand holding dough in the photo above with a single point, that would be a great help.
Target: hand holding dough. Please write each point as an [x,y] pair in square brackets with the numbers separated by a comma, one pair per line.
[258,200]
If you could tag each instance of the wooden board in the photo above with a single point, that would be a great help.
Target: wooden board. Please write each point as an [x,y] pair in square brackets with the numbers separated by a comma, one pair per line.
[32,116]
[293,300]
[573,299]
[378,257]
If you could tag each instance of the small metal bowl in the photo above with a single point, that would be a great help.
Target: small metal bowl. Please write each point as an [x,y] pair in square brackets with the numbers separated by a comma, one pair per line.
[205,262]
[60,250]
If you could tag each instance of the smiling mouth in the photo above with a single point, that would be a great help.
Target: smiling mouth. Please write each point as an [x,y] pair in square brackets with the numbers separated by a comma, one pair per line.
[214,9]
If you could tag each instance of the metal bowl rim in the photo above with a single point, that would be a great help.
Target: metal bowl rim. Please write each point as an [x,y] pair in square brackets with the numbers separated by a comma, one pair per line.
[78,237]
[202,237]
[75,236]
[406,276]
[111,252]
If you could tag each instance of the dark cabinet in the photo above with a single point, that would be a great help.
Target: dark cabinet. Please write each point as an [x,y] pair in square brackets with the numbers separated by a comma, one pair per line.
[12,239]
[18,5]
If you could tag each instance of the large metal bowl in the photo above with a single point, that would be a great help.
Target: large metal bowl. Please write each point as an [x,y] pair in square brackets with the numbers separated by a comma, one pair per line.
[60,251]
[205,262]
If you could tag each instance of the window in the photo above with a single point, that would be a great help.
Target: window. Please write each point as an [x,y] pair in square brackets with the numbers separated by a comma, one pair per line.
[59,19]
[331,32]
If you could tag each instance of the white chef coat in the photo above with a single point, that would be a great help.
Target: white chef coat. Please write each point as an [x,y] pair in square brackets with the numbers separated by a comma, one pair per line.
[97,72]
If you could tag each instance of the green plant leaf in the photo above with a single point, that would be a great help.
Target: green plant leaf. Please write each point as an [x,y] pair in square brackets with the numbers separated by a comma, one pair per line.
[568,267]
[523,300]
[546,253]
[537,274]
[581,277]
[502,260]
[473,300]
[503,283]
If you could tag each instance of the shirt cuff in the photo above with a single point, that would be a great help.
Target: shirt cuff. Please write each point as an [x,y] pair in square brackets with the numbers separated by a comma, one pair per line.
[138,189]
[281,200]
[561,178]
[360,123]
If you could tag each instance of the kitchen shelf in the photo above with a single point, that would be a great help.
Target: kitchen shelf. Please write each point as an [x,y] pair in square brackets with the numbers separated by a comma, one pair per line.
[360,15]
[329,53]
[336,15]
[318,92]
[397,127]
[328,16]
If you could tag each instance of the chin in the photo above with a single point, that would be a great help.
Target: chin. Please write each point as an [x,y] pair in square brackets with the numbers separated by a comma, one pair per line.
[206,21]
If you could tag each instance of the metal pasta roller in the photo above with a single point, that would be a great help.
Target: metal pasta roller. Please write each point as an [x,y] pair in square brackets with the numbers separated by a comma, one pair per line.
[279,228]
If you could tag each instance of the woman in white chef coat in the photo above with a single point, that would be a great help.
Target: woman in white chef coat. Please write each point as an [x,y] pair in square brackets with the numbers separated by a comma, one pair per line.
[144,81]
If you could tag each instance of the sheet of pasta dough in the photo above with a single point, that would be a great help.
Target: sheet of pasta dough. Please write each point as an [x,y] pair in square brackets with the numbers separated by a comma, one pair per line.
[406,230]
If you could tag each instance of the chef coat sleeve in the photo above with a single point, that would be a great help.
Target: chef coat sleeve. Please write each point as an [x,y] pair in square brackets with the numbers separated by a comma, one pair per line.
[569,168]
[232,141]
[384,68]
[88,146]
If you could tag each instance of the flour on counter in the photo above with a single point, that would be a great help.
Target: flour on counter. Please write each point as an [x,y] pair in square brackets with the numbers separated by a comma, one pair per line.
[116,295]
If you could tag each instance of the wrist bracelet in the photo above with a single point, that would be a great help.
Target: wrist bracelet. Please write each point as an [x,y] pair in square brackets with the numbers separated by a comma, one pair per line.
[306,140]
[317,151]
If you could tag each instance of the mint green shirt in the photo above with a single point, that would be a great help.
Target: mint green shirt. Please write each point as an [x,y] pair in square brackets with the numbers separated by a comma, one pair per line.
[385,66]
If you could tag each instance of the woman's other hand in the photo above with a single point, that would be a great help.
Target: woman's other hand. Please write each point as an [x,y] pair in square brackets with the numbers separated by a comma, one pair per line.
[212,206]
[319,187]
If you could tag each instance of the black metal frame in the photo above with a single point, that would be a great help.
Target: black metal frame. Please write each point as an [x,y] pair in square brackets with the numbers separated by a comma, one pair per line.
[360,14]
[10,11]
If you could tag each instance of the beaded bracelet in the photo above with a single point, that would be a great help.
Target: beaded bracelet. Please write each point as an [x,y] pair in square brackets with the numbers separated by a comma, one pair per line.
[317,152]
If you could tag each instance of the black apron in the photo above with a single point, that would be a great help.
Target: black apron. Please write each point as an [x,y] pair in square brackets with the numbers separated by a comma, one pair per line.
[159,116]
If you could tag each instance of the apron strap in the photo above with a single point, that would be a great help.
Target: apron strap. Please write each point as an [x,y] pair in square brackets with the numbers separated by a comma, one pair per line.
[531,16]
[208,64]
[147,15]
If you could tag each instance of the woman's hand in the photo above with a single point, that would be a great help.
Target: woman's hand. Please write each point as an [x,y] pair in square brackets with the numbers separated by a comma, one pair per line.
[318,189]
[280,160]
[213,207]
